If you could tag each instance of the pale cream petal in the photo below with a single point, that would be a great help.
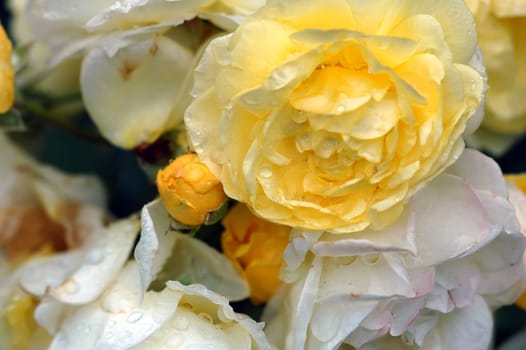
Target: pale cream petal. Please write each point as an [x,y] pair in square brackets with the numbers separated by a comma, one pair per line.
[118,95]
[175,256]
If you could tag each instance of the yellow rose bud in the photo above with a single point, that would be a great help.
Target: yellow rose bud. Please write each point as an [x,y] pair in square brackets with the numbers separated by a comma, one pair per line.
[330,114]
[256,248]
[501,27]
[189,190]
[7,90]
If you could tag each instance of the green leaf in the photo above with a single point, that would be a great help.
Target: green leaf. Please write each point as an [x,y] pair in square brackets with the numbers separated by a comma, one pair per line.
[12,121]
[217,215]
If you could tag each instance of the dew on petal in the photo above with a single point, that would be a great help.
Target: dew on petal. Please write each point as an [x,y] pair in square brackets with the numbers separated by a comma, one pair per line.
[134,316]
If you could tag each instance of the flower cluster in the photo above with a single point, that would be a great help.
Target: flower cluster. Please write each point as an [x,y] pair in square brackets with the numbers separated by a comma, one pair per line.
[310,166]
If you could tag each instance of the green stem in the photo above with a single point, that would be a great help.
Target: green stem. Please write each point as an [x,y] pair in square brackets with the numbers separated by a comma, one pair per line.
[38,111]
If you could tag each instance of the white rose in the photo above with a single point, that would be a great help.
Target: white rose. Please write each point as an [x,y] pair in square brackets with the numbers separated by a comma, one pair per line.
[179,316]
[455,252]
[43,213]
[40,205]
[137,57]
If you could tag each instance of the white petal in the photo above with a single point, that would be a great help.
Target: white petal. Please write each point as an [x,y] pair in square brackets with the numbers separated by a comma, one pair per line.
[183,257]
[474,121]
[49,314]
[69,186]
[118,95]
[295,309]
[156,243]
[396,237]
[104,257]
[197,295]
[300,244]
[482,172]
[450,220]
[117,321]
[465,328]
[122,13]
[204,265]
[40,274]
[333,322]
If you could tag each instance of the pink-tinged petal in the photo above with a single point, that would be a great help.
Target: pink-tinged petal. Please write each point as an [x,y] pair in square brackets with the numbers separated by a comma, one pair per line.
[480,171]
[460,282]
[398,237]
[518,200]
[404,315]
[464,328]
[447,231]
[332,322]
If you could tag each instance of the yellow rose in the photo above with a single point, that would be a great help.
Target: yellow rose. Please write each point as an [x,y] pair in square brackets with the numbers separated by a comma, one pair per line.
[256,248]
[328,115]
[518,199]
[189,190]
[7,90]
[501,27]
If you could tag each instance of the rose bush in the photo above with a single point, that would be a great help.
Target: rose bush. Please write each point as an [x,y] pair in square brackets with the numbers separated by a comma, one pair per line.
[329,115]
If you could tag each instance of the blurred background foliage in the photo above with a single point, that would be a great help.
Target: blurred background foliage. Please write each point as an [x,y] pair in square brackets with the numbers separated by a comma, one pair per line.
[129,188]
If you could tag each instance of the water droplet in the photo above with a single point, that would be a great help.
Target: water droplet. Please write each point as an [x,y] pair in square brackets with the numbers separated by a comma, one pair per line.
[303,142]
[206,317]
[249,99]
[265,172]
[300,117]
[53,15]
[181,323]
[347,260]
[134,316]
[383,45]
[371,259]
[94,256]
[326,148]
[84,327]
[70,286]
[174,341]
[281,77]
